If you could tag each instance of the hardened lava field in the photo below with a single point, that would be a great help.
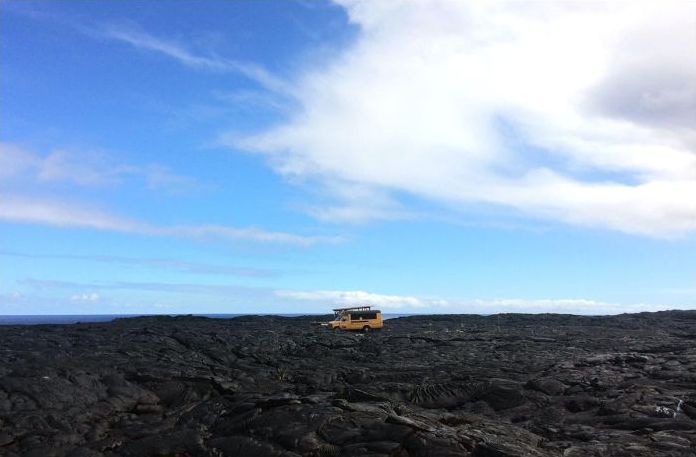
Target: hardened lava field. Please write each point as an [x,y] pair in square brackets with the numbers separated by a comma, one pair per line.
[458,385]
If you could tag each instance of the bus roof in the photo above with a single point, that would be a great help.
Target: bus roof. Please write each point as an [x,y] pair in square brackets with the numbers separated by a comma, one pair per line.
[354,308]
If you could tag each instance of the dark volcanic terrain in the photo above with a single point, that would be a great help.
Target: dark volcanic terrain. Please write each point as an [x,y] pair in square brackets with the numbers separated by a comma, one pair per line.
[508,385]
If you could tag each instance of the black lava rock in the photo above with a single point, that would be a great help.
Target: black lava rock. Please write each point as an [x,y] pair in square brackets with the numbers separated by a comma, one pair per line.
[507,385]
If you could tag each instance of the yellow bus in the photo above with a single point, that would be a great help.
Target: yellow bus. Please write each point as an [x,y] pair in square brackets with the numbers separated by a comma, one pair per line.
[362,318]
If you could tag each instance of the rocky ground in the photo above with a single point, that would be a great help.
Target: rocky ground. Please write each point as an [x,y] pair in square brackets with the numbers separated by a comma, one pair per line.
[507,385]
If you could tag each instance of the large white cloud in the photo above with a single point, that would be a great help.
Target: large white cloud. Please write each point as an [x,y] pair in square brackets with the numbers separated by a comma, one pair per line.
[577,112]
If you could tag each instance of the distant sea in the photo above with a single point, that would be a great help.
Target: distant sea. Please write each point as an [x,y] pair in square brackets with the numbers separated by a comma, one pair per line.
[75,318]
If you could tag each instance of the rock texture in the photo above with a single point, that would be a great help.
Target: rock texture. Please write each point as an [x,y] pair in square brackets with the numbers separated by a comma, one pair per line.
[496,386]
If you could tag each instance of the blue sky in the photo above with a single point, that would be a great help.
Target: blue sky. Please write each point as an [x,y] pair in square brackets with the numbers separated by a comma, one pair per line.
[226,157]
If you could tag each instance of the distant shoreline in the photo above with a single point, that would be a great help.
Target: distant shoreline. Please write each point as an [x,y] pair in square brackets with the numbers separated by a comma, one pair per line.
[42,319]
[57,319]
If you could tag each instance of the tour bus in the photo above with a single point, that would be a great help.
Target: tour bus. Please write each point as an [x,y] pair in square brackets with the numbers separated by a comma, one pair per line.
[362,318]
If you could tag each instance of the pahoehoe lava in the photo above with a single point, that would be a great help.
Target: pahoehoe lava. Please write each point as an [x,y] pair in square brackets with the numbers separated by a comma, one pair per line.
[459,385]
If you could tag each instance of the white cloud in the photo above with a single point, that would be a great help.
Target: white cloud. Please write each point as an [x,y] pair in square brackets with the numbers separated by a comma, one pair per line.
[580,113]
[245,233]
[140,39]
[355,204]
[180,292]
[61,165]
[161,178]
[85,297]
[155,263]
[64,214]
[322,301]
[353,298]
[562,306]
[84,168]
[15,161]
[412,304]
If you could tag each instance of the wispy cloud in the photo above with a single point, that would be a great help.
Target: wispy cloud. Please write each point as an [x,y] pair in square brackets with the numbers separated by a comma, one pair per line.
[413,304]
[507,105]
[325,300]
[552,305]
[341,203]
[64,214]
[49,296]
[247,233]
[85,168]
[90,297]
[162,178]
[138,38]
[353,298]
[134,35]
[156,263]
[82,169]
[216,289]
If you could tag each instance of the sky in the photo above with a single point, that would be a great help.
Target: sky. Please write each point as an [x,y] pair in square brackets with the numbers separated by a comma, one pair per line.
[293,156]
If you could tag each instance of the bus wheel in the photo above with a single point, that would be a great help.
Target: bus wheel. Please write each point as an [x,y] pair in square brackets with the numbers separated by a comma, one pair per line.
[366,328]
